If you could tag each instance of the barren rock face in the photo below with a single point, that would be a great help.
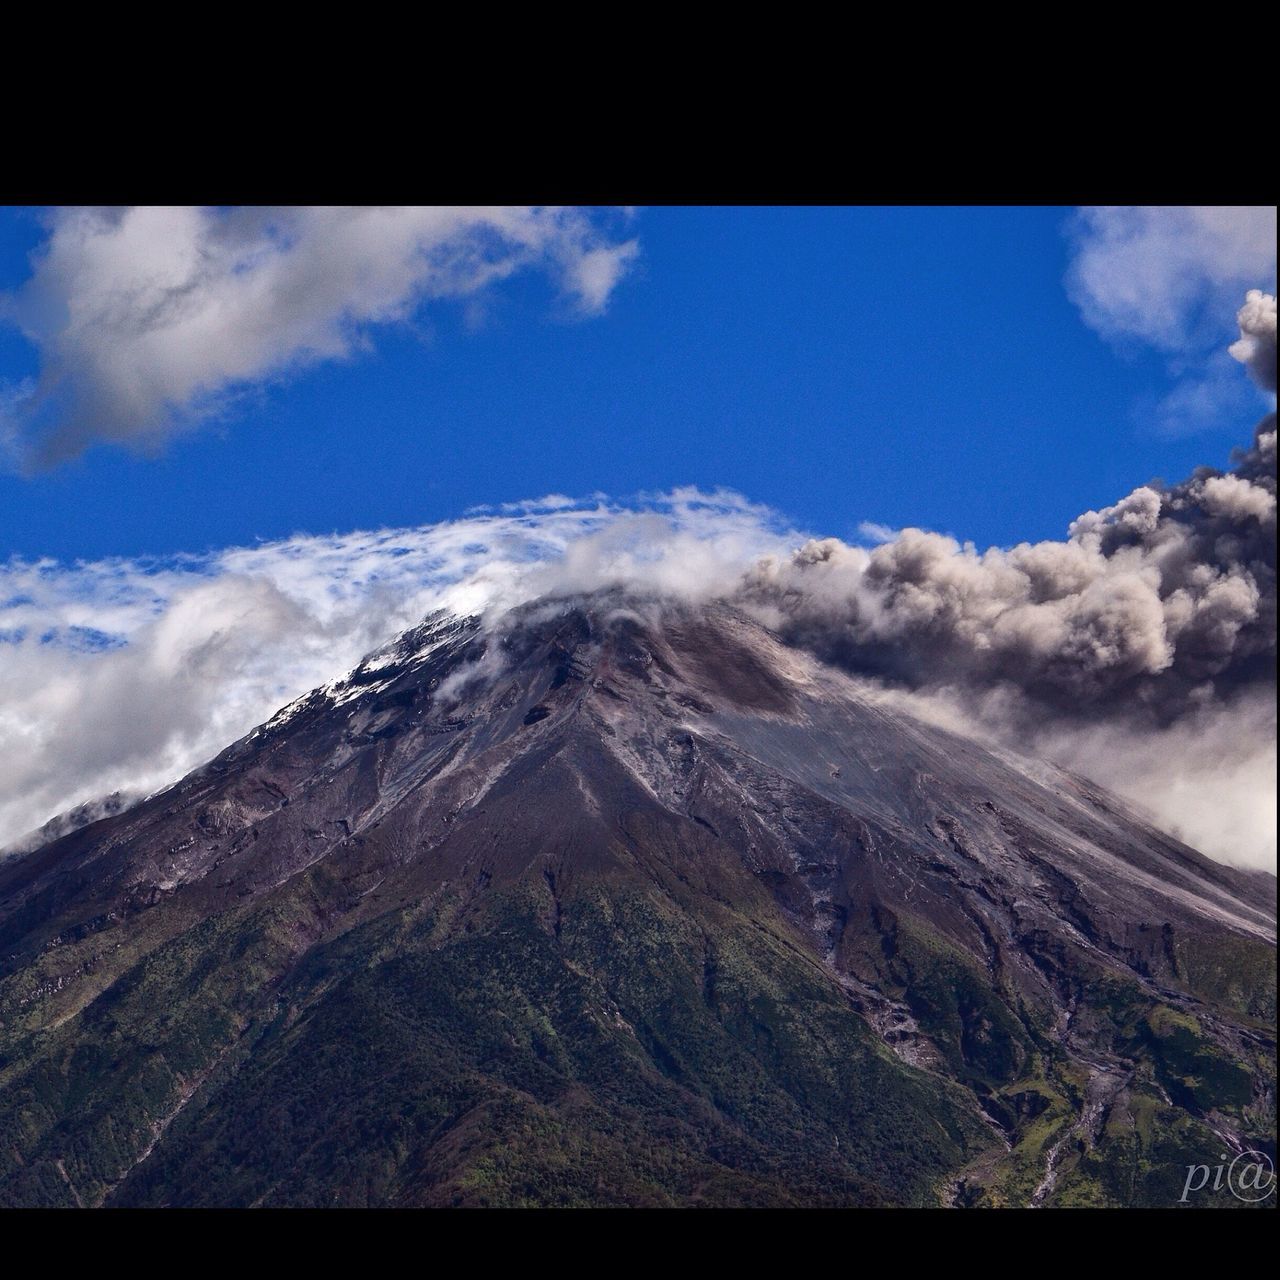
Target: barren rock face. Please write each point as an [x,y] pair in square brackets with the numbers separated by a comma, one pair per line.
[624,902]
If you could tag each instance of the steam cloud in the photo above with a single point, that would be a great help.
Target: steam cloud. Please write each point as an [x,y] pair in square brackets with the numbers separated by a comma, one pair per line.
[148,320]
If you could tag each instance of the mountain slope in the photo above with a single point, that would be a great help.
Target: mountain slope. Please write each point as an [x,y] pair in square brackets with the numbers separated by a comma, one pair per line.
[624,902]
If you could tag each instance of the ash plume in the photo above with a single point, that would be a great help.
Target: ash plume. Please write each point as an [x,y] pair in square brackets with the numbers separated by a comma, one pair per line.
[1160,602]
[1154,619]
[1256,348]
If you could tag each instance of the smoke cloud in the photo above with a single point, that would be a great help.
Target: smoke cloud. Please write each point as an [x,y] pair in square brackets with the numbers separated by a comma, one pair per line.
[1160,602]
[1256,348]
[148,320]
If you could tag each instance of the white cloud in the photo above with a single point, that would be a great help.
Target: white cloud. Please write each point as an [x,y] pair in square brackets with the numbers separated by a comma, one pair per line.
[1170,277]
[871,531]
[1208,780]
[125,674]
[1215,395]
[148,319]
[1147,272]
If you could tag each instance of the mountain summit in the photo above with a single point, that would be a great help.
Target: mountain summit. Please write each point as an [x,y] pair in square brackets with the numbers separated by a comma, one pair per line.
[623,901]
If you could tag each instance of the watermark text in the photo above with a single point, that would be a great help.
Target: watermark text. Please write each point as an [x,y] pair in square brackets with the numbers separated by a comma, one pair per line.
[1250,1177]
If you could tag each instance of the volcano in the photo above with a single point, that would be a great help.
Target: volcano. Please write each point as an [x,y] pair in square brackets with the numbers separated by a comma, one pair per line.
[620,901]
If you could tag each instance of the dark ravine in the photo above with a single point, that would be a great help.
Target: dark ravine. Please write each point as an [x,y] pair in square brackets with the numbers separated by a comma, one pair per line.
[620,902]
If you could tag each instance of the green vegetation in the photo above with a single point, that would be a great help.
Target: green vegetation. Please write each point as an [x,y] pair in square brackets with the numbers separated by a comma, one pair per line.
[970,1021]
[646,1055]
[624,1042]
[1233,972]
[1194,1070]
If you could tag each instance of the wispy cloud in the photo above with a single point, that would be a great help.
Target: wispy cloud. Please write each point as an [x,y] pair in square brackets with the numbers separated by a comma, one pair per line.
[871,531]
[1168,278]
[149,320]
[123,674]
[1151,272]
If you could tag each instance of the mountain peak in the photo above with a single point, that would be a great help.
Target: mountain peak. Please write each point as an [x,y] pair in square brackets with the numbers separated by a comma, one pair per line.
[615,838]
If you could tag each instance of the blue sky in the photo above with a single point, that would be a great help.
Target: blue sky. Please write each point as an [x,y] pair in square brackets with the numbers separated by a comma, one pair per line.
[902,366]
